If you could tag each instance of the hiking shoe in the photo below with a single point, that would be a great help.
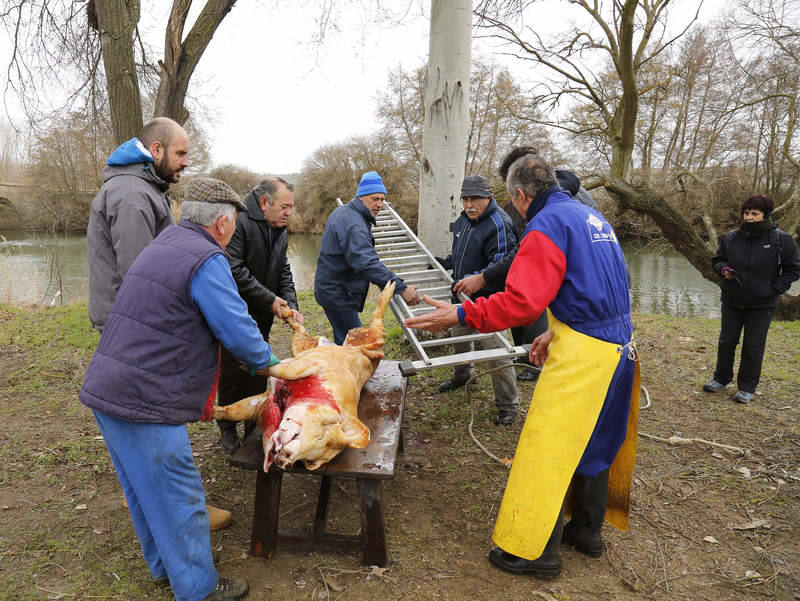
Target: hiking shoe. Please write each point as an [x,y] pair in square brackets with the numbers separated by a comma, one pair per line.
[505,417]
[743,397]
[713,386]
[229,589]
[450,385]
[163,582]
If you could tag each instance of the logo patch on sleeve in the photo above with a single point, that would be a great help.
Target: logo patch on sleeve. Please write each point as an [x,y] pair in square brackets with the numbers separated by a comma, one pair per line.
[599,230]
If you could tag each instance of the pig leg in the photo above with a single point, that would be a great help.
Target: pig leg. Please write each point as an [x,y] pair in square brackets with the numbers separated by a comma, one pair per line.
[241,410]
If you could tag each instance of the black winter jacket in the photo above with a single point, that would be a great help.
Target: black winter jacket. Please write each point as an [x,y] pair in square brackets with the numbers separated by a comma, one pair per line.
[257,254]
[766,263]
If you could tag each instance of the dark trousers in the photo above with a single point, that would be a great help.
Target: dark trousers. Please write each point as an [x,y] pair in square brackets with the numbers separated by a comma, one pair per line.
[342,322]
[755,323]
[236,384]
[526,334]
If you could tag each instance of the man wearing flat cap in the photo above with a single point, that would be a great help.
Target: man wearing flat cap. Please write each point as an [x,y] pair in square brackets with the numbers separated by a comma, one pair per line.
[482,236]
[156,368]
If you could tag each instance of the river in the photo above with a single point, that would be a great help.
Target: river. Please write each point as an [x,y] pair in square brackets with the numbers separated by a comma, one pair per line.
[34,268]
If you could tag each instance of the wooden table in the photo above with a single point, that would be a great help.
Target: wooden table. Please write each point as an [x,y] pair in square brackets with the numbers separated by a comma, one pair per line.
[381,409]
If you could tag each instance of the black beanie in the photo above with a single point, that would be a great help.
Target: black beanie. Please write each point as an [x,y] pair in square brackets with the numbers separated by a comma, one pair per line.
[568,180]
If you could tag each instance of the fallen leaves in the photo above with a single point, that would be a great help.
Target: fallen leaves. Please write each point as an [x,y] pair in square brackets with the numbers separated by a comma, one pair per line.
[753,524]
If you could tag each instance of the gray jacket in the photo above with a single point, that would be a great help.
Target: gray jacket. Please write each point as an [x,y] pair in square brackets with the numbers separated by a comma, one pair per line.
[129,211]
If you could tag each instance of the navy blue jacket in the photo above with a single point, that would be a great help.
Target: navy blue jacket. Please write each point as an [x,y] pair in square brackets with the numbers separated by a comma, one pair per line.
[480,244]
[157,358]
[348,262]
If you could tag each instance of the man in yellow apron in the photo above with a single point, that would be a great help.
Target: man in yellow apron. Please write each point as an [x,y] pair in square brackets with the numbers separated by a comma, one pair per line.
[581,426]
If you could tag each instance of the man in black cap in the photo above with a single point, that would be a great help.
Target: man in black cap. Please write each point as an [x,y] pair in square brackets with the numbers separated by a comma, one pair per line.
[482,235]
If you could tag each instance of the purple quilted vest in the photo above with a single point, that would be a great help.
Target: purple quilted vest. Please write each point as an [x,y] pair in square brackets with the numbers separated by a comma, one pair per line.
[157,358]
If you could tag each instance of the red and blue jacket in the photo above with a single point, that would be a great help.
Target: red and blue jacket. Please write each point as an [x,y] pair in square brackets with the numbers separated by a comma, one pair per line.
[570,261]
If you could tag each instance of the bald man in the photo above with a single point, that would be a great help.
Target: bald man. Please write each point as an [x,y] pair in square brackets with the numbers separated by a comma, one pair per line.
[131,207]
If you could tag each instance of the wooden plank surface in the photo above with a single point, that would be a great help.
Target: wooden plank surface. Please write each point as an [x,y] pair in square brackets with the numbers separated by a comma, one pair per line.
[380,408]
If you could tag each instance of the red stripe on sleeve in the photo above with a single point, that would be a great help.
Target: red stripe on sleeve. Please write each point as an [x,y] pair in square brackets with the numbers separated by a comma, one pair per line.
[532,283]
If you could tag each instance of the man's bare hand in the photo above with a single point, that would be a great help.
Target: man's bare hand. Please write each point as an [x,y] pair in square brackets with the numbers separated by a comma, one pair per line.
[277,306]
[297,316]
[444,316]
[410,295]
[538,353]
[470,284]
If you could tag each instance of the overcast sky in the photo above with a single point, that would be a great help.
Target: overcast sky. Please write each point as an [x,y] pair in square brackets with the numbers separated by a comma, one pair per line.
[275,96]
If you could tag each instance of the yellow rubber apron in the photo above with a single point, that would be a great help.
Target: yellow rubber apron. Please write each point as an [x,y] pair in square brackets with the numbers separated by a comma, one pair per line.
[566,404]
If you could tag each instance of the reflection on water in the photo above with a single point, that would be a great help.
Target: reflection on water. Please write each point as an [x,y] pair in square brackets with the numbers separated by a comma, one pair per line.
[302,255]
[665,282]
[662,282]
[34,268]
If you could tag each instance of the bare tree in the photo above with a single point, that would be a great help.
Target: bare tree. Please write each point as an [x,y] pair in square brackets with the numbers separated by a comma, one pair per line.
[444,140]
[501,116]
[64,41]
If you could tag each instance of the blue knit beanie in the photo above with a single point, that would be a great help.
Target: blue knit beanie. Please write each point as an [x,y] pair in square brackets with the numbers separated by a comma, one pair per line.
[370,183]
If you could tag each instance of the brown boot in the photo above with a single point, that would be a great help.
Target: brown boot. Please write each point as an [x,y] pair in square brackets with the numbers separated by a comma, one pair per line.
[218,518]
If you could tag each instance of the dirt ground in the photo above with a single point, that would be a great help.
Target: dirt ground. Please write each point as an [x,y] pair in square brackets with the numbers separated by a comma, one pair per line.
[707,522]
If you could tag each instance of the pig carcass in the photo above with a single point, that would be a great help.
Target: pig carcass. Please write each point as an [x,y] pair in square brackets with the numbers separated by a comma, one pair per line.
[310,414]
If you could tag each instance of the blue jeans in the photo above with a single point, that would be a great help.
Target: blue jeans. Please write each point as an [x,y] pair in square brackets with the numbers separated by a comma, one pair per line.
[342,322]
[166,501]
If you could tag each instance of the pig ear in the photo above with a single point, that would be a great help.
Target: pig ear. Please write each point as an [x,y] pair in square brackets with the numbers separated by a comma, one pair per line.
[355,433]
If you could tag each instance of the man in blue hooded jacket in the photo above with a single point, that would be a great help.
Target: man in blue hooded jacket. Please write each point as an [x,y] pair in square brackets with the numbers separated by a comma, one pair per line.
[131,207]
[348,261]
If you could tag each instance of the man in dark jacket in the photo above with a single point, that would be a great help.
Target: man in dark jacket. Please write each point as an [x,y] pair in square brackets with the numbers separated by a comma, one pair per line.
[482,236]
[131,207]
[257,254]
[348,262]
[156,368]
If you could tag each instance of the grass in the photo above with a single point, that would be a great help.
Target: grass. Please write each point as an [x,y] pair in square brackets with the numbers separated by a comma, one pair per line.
[441,505]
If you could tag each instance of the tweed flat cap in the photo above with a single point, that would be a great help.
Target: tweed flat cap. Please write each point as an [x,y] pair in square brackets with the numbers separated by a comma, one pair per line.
[208,189]
[476,185]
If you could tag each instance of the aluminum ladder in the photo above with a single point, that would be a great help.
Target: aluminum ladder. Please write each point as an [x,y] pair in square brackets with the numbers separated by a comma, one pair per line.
[401,251]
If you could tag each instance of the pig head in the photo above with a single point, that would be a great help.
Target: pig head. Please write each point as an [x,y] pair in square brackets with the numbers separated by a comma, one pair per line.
[311,412]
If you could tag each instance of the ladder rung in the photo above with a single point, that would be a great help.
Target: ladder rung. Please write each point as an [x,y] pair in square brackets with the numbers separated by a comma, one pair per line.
[455,340]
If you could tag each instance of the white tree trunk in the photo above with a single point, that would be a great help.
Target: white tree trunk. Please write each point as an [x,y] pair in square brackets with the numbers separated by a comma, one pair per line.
[444,139]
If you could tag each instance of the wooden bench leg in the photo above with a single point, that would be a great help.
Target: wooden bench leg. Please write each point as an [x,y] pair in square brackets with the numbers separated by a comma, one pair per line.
[321,517]
[373,530]
[264,539]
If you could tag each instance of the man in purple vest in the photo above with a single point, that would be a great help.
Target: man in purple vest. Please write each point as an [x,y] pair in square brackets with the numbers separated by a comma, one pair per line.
[156,368]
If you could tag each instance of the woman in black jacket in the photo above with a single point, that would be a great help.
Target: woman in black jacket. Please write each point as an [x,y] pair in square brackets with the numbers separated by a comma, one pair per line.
[758,262]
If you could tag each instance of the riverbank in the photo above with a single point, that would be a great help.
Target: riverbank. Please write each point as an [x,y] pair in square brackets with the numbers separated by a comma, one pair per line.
[706,522]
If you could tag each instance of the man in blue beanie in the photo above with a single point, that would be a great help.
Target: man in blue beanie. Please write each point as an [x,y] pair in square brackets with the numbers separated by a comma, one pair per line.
[348,262]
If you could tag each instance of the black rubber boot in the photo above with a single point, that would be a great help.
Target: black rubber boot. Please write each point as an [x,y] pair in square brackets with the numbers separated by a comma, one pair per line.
[547,566]
[229,436]
[589,498]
